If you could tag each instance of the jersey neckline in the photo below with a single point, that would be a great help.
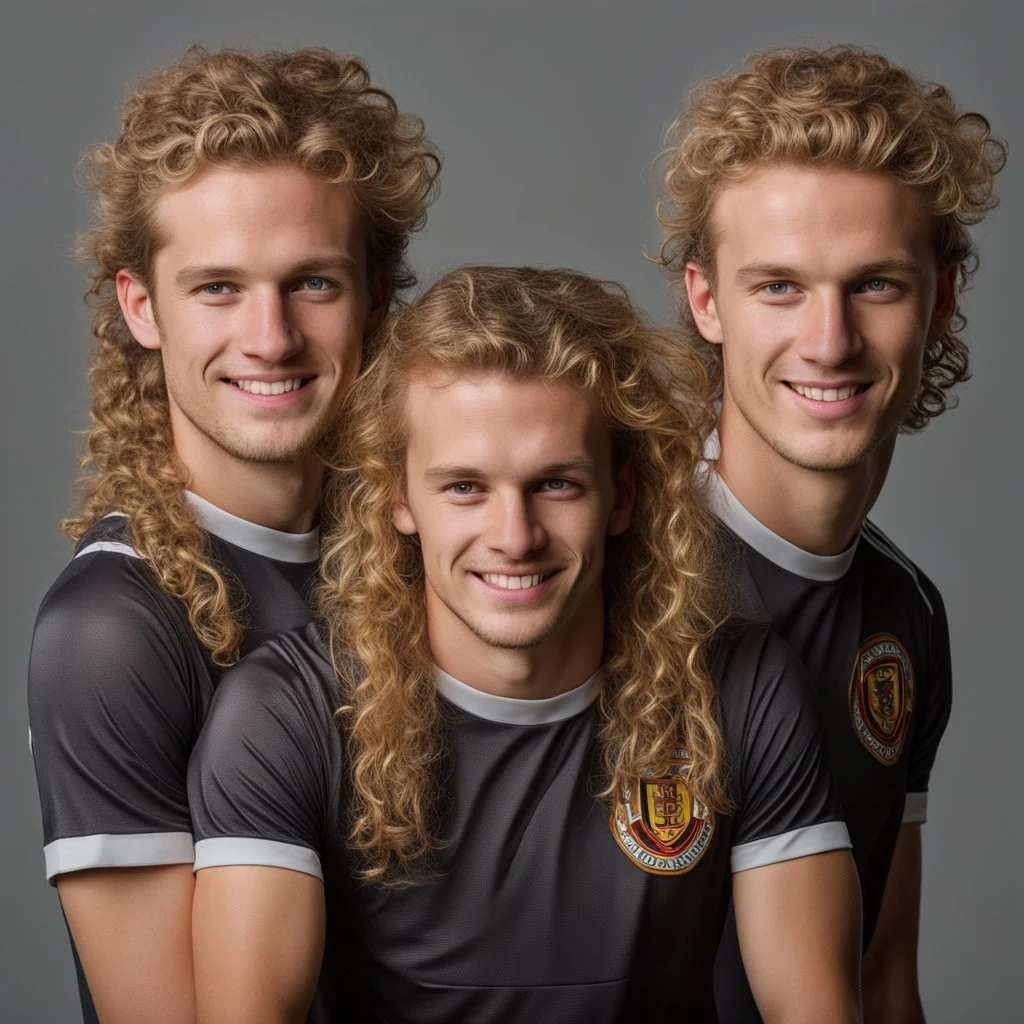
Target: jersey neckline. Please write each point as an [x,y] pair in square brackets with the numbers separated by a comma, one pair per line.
[727,507]
[260,540]
[514,710]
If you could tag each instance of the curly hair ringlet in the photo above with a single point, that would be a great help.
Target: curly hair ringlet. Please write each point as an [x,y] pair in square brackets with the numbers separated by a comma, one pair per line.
[664,599]
[839,107]
[310,107]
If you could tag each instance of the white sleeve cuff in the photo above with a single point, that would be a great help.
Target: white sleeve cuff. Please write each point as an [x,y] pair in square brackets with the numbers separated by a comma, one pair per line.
[230,851]
[146,849]
[801,842]
[915,810]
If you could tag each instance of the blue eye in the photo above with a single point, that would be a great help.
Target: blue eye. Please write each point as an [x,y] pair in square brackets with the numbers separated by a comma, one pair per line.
[876,284]
[777,288]
[217,288]
[557,485]
[462,489]
[317,284]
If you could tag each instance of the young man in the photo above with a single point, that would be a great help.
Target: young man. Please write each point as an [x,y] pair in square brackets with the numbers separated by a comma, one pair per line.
[550,757]
[251,223]
[816,211]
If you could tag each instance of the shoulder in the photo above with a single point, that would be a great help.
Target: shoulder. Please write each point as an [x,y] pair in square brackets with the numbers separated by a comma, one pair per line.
[286,685]
[107,637]
[888,560]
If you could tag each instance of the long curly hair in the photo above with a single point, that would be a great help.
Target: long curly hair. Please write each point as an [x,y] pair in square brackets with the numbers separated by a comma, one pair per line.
[310,107]
[664,598]
[840,107]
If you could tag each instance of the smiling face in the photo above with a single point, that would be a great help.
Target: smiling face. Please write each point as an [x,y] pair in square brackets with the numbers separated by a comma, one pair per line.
[826,296]
[259,305]
[511,488]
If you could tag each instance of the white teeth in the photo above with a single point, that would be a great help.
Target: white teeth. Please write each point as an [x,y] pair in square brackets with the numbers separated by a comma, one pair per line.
[513,582]
[828,394]
[265,387]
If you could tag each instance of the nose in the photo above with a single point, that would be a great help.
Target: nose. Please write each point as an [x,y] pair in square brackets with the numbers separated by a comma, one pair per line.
[830,336]
[267,333]
[513,528]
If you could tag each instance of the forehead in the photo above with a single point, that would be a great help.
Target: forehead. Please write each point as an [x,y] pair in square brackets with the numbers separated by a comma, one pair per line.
[233,215]
[497,424]
[794,216]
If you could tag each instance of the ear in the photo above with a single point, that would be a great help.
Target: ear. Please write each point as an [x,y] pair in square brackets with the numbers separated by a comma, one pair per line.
[138,309]
[702,303]
[621,514]
[380,298]
[401,517]
[945,304]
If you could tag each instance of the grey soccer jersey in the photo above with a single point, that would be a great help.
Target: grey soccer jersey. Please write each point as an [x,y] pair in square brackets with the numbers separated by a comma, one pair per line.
[871,630]
[547,905]
[119,686]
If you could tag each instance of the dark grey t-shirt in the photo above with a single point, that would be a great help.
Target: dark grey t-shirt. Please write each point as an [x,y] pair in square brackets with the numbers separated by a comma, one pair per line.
[871,630]
[119,687]
[547,905]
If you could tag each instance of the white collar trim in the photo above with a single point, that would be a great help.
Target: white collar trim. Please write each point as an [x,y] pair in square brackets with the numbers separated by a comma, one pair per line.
[824,568]
[514,710]
[261,540]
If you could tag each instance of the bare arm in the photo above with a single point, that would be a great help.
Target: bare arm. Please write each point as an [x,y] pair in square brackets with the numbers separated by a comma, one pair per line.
[258,939]
[798,924]
[891,993]
[132,930]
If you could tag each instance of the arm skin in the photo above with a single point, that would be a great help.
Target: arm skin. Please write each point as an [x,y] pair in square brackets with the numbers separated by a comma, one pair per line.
[132,930]
[890,965]
[798,924]
[258,941]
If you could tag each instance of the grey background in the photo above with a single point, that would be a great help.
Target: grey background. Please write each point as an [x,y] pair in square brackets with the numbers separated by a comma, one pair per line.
[549,115]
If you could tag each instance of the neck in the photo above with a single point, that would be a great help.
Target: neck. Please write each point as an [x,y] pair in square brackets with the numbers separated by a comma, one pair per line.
[818,511]
[279,495]
[560,662]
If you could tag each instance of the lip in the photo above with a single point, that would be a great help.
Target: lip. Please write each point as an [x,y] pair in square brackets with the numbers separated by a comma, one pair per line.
[516,597]
[822,410]
[288,398]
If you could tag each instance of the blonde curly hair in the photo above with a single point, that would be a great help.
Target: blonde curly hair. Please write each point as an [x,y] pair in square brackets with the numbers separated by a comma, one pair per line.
[664,599]
[310,107]
[839,107]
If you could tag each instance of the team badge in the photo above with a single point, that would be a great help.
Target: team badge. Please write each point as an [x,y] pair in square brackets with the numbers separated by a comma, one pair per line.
[660,824]
[882,696]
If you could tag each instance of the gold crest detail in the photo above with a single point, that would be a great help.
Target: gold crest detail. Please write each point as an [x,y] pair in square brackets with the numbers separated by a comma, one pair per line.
[882,696]
[658,822]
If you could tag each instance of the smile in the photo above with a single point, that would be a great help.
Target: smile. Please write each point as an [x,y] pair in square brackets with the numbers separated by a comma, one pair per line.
[829,394]
[266,387]
[514,582]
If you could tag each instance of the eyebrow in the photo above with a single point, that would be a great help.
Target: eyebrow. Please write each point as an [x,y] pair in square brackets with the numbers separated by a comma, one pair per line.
[894,264]
[194,272]
[452,472]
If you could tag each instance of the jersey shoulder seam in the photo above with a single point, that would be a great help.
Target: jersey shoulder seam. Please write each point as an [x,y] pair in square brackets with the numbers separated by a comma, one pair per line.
[881,543]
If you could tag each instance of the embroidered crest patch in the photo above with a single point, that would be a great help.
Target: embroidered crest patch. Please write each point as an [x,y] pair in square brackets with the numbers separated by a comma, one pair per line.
[659,824]
[882,696]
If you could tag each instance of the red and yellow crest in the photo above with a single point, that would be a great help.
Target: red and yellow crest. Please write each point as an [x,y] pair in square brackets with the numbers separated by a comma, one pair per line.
[659,824]
[882,696]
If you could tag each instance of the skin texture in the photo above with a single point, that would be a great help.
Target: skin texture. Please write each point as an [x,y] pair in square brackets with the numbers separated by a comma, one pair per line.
[131,929]
[292,297]
[798,924]
[890,964]
[258,935]
[262,276]
[516,478]
[822,278]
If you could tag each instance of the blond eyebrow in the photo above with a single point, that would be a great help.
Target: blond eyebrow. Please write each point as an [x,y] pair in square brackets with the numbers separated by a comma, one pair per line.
[194,272]
[452,472]
[894,264]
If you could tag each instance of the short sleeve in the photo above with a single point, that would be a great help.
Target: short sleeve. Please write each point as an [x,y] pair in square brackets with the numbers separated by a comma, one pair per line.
[260,774]
[935,699]
[115,688]
[786,805]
